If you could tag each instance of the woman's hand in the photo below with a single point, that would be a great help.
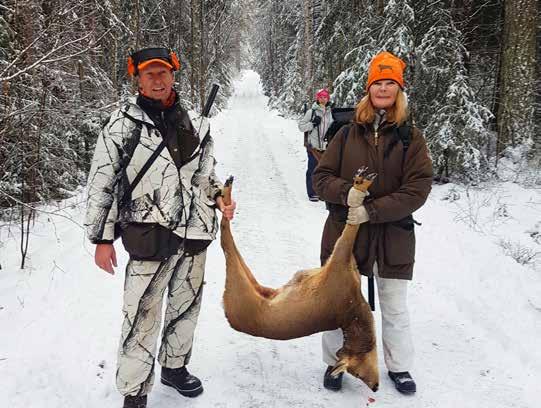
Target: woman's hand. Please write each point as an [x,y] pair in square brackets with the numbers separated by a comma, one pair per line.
[356,197]
[357,215]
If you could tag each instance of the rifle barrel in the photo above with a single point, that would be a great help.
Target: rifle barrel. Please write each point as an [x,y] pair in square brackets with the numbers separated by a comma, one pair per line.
[210,100]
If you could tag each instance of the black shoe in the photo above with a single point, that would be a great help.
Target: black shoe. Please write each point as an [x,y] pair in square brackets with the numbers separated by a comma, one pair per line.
[182,381]
[330,382]
[403,382]
[135,401]
[314,198]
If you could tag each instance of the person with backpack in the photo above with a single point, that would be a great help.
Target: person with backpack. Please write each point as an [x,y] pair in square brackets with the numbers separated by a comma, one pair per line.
[153,182]
[314,124]
[381,140]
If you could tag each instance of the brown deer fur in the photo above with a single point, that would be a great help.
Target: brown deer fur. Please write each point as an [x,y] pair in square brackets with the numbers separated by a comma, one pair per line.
[315,300]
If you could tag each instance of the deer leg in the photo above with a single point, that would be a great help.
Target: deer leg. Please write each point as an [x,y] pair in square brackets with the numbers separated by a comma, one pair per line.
[262,290]
[237,266]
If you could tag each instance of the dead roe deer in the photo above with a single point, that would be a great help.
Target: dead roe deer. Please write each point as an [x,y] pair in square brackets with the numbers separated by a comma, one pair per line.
[315,300]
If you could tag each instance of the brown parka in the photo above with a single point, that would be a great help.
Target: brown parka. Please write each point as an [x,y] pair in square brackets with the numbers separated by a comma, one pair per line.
[402,186]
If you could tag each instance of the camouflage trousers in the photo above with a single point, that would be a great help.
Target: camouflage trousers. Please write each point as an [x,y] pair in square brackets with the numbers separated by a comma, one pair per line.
[144,288]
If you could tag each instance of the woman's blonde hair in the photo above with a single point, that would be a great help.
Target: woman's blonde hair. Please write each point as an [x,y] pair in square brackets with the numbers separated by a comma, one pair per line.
[365,112]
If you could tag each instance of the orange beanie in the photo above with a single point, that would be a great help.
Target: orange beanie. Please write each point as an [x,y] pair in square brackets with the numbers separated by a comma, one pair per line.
[386,66]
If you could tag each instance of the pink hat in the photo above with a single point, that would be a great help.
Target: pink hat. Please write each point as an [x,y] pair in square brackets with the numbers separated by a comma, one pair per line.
[322,93]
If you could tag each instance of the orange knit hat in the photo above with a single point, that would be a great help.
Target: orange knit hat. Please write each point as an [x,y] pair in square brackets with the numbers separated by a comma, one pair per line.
[386,66]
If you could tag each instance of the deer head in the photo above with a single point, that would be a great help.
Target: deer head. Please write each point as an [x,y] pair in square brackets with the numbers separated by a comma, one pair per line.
[363,366]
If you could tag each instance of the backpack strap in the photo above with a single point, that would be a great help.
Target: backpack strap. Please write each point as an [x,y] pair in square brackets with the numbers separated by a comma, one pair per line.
[348,127]
[402,134]
[371,293]
[131,146]
[311,119]
[144,169]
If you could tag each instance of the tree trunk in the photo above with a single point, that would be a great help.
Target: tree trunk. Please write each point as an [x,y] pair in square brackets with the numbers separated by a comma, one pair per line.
[380,6]
[137,19]
[193,14]
[537,131]
[202,64]
[517,74]
[308,45]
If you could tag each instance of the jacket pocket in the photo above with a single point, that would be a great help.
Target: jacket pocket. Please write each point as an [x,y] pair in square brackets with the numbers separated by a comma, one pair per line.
[149,242]
[399,243]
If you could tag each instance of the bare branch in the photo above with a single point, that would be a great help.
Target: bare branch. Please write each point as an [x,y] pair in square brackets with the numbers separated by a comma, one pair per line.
[44,58]
[21,54]
[55,213]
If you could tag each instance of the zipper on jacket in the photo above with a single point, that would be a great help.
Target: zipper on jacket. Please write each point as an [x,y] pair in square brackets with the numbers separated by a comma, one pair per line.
[376,138]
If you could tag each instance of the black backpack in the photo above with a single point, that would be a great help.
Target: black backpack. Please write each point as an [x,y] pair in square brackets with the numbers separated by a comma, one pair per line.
[341,117]
[344,116]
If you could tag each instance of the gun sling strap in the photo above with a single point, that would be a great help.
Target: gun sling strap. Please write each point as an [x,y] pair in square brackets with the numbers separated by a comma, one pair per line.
[144,169]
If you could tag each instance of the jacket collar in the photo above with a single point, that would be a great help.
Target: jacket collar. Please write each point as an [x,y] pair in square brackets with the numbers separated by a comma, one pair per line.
[134,111]
[380,119]
[317,106]
[366,129]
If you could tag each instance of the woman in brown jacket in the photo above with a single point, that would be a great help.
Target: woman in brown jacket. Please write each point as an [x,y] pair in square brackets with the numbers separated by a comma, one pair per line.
[385,245]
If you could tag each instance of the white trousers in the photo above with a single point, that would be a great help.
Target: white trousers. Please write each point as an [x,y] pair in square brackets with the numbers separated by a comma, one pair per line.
[398,349]
[144,288]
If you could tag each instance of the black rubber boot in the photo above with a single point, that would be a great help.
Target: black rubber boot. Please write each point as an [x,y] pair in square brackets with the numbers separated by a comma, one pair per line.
[182,381]
[403,382]
[330,382]
[135,401]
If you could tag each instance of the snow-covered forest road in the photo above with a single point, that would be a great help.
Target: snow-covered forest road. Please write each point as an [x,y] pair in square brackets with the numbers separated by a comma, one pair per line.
[476,313]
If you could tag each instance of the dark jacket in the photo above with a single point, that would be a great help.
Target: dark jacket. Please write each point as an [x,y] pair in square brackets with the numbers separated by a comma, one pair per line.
[175,127]
[401,187]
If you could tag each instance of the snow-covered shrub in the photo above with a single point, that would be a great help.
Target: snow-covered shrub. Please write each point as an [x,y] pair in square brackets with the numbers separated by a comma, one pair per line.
[535,233]
[515,165]
[452,195]
[519,252]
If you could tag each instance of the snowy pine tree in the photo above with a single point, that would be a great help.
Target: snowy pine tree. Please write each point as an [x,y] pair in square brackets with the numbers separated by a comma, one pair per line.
[396,36]
[458,132]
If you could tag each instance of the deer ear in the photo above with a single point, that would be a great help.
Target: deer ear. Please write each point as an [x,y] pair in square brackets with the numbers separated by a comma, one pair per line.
[340,367]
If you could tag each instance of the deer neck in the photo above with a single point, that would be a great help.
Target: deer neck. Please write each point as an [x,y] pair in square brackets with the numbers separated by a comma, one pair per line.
[360,335]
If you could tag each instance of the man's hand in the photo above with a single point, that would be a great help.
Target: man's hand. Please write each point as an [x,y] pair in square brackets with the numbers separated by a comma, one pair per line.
[356,197]
[357,215]
[316,121]
[105,257]
[227,210]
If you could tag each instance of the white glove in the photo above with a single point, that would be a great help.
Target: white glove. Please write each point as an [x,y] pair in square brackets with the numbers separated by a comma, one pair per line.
[356,197]
[357,215]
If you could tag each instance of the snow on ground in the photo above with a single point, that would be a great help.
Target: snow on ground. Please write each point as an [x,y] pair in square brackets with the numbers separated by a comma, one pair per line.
[476,312]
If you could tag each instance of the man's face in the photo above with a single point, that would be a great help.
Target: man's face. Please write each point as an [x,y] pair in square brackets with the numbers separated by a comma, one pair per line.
[156,81]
